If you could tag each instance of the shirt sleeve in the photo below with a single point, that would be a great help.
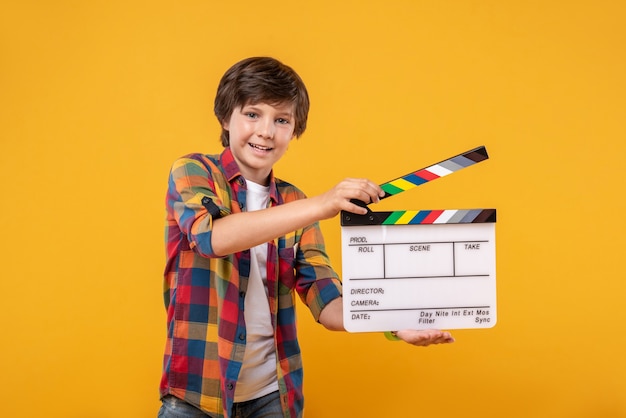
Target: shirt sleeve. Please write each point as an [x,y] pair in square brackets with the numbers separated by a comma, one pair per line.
[193,202]
[317,282]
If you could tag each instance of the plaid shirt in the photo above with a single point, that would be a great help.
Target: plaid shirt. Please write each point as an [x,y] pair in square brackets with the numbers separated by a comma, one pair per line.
[204,294]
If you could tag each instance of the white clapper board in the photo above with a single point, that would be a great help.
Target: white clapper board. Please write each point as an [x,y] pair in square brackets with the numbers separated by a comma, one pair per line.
[420,269]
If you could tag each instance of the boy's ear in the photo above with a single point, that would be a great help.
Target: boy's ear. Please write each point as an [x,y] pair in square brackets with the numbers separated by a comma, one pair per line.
[226,124]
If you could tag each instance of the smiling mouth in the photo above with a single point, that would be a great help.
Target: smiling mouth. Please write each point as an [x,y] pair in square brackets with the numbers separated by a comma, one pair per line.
[260,148]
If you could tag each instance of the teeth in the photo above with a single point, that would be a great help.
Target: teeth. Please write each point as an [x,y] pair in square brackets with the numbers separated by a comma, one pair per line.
[260,147]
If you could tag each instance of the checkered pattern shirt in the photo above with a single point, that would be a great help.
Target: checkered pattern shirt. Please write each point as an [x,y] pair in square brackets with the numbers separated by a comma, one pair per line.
[204,294]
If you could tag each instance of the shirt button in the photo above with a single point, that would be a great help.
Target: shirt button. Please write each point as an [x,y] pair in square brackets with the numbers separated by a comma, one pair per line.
[242,336]
[242,294]
[229,386]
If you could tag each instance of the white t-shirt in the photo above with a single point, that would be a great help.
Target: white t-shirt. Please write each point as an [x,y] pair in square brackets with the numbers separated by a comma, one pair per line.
[258,372]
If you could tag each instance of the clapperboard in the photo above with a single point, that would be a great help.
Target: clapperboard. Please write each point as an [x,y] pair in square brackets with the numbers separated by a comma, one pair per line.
[420,269]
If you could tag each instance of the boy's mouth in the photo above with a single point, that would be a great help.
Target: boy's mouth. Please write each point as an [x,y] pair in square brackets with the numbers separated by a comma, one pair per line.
[260,147]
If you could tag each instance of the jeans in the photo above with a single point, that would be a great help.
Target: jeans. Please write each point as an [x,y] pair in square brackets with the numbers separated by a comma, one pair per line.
[173,407]
[267,406]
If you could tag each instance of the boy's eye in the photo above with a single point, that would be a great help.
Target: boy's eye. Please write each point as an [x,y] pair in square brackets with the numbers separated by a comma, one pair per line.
[282,121]
[251,115]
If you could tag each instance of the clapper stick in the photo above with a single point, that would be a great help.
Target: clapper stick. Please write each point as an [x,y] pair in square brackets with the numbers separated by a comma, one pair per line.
[434,171]
[414,179]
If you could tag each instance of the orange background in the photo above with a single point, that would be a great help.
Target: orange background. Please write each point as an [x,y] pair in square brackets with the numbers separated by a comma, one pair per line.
[98,98]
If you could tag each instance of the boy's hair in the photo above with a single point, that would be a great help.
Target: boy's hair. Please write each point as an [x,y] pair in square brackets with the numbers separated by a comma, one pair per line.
[261,79]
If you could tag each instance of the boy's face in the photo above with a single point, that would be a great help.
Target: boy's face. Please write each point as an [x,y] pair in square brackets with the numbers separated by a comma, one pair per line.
[259,136]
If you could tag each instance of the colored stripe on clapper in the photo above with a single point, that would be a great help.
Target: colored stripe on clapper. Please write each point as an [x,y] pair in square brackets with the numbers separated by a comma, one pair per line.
[434,171]
[429,217]
[420,217]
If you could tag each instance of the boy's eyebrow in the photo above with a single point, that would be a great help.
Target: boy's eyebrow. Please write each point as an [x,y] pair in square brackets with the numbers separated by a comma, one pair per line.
[256,109]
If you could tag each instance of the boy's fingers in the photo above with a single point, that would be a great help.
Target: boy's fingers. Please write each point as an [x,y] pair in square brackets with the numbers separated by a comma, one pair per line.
[425,337]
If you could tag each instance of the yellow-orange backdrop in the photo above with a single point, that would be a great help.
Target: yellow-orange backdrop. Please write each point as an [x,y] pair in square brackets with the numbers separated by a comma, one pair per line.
[98,97]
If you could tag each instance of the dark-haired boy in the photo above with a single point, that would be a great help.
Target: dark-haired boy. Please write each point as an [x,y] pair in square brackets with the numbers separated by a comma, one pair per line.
[240,244]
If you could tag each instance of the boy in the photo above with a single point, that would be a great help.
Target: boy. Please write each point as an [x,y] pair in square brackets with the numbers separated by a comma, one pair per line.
[240,242]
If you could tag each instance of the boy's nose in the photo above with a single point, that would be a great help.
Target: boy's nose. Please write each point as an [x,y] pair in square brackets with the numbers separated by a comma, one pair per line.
[265,129]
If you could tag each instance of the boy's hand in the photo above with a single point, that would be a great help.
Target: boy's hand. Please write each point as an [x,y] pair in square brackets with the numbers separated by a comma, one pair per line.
[425,337]
[338,198]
